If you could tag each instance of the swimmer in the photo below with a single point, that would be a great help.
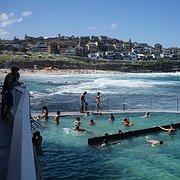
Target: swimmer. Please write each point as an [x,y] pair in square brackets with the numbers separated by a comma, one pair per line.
[77,122]
[37,139]
[38,117]
[127,123]
[45,115]
[80,130]
[111,119]
[57,117]
[119,132]
[153,142]
[169,130]
[87,114]
[91,122]
[106,134]
[147,114]
[105,143]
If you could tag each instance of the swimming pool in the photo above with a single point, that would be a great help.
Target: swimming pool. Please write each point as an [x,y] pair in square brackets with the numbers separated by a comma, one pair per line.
[66,154]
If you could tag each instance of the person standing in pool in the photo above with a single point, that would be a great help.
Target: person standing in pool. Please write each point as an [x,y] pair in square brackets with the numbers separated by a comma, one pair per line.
[57,117]
[45,113]
[83,102]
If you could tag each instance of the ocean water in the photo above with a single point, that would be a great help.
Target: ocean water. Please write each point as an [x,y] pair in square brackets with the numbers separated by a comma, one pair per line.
[65,154]
[128,91]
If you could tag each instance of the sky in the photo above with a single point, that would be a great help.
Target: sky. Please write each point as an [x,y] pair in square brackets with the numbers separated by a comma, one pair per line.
[143,21]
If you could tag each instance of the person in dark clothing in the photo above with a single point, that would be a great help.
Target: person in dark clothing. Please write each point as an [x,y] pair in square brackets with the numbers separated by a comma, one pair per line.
[83,102]
[37,139]
[7,103]
[11,79]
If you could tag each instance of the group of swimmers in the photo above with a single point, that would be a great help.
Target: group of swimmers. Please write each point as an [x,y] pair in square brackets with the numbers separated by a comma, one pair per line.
[153,142]
[125,121]
[45,115]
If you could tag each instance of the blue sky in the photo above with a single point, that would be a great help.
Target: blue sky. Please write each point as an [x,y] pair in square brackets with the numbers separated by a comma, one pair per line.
[150,21]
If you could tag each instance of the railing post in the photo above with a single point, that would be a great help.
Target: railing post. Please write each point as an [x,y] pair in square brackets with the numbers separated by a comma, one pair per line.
[150,103]
[177,103]
[123,104]
[108,103]
[77,105]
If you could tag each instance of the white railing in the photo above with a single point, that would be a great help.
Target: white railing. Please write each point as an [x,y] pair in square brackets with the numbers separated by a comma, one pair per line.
[21,162]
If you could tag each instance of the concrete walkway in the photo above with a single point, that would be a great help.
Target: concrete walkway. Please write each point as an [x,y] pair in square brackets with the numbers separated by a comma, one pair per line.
[6,128]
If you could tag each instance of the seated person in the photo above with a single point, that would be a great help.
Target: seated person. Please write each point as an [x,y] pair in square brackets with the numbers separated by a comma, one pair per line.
[153,142]
[126,122]
[91,122]
[170,130]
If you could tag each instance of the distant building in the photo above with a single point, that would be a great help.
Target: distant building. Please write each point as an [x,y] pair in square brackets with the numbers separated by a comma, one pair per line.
[92,47]
[166,53]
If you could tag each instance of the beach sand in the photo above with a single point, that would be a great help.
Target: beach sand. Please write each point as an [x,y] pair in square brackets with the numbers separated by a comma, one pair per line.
[33,72]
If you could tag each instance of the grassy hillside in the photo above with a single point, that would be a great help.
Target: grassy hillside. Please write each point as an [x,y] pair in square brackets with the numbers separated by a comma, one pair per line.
[61,62]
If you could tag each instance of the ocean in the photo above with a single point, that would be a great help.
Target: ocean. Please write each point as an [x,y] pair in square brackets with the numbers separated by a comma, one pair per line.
[65,154]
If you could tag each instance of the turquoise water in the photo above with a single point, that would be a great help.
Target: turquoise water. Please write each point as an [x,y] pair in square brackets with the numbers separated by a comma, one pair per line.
[66,154]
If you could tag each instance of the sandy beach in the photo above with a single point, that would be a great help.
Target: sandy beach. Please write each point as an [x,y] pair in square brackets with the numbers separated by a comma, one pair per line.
[33,72]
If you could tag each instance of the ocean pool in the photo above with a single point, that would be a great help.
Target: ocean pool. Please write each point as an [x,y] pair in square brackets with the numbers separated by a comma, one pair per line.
[66,154]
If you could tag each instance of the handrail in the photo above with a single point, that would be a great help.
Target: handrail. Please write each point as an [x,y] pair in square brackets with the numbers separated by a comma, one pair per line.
[126,103]
[21,162]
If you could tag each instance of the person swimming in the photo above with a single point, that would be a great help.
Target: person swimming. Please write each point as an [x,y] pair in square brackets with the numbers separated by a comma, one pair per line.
[111,119]
[105,143]
[126,122]
[78,129]
[119,132]
[77,122]
[91,122]
[153,142]
[147,114]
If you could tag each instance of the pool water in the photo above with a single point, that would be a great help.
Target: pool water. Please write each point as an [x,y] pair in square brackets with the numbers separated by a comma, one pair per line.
[66,154]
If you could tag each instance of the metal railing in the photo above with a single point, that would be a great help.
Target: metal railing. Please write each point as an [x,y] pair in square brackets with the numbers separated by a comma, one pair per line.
[133,102]
[21,162]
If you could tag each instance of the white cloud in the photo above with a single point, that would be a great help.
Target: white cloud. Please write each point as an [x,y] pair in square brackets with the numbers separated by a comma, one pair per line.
[26,13]
[3,32]
[10,22]
[3,17]
[113,26]
[7,20]
[92,27]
